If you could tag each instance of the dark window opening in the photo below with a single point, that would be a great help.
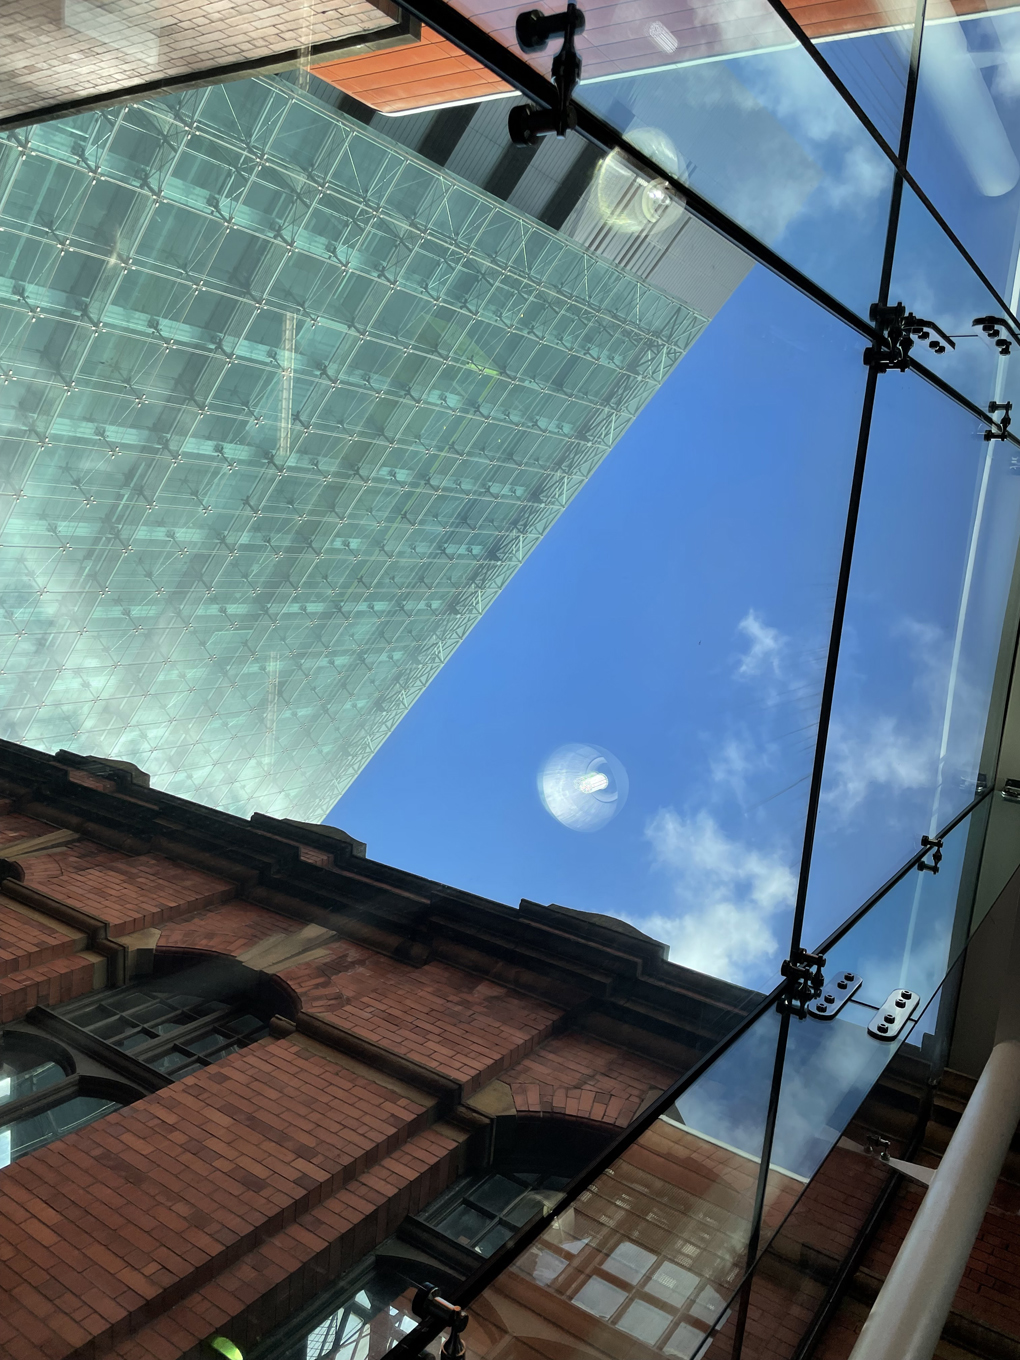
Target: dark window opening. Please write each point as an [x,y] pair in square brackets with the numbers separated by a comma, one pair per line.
[168,1026]
[43,1096]
[35,1131]
[482,1212]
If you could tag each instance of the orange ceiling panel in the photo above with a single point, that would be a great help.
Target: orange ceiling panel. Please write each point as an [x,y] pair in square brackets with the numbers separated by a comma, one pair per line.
[398,79]
[620,37]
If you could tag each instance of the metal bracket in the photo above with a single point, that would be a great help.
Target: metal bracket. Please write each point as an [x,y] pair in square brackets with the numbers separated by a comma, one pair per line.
[835,996]
[526,123]
[428,1305]
[891,1018]
[877,1146]
[993,326]
[900,329]
[803,972]
[1011,790]
[1000,427]
[927,843]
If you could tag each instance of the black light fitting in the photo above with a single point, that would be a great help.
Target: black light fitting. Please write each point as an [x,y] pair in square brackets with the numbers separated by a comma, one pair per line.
[527,123]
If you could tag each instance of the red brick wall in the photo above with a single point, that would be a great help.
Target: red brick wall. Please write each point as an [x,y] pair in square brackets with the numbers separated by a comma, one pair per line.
[275,1169]
[989,1292]
[128,892]
[146,1205]
[463,1026]
[318,1247]
[227,929]
[581,1077]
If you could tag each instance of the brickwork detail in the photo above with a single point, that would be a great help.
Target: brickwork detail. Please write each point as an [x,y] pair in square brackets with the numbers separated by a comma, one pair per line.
[15,827]
[229,929]
[127,892]
[988,1292]
[465,1027]
[48,61]
[49,984]
[151,1201]
[583,1078]
[27,943]
[319,1246]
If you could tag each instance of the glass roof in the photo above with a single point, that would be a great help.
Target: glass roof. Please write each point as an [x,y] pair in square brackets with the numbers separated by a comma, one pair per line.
[626,519]
[301,386]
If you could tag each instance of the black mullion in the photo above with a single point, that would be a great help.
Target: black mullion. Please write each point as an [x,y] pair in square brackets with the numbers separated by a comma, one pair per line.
[810,823]
[906,125]
[898,159]
[832,659]
[832,940]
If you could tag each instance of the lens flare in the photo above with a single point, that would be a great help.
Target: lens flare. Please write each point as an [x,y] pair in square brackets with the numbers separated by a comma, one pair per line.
[583,787]
[630,202]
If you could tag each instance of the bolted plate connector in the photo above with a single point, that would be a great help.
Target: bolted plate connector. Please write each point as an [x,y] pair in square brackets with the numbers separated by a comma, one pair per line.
[834,996]
[891,1018]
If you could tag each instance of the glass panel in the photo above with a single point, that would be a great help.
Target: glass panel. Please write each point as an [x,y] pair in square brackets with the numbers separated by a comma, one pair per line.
[872,58]
[346,1323]
[672,627]
[652,1249]
[934,282]
[805,1254]
[25,1135]
[767,139]
[725,98]
[923,646]
[899,953]
[22,1073]
[496,1194]
[966,130]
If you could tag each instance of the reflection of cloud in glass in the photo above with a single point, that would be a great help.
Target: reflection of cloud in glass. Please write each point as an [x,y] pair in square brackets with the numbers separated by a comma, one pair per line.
[584,787]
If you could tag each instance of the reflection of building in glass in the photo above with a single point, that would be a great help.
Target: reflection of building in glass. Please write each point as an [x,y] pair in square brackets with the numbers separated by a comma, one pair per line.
[285,406]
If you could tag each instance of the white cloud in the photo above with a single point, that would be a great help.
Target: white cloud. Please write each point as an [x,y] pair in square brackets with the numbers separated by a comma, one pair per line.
[733,765]
[765,650]
[875,751]
[726,892]
[793,91]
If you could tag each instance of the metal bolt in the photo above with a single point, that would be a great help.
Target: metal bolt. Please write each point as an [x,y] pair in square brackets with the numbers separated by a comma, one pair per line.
[841,985]
[890,1019]
[905,995]
[901,1004]
[829,998]
[849,977]
[821,1008]
[882,1029]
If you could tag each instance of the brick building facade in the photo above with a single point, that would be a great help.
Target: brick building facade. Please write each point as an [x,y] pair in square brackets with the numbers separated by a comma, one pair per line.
[415,1031]
[393,1076]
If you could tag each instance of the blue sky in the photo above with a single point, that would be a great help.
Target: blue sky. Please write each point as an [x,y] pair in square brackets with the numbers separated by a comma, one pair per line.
[677,615]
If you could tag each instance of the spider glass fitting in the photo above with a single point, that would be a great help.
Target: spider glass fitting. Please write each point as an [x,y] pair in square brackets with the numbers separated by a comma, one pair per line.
[1000,427]
[900,329]
[993,326]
